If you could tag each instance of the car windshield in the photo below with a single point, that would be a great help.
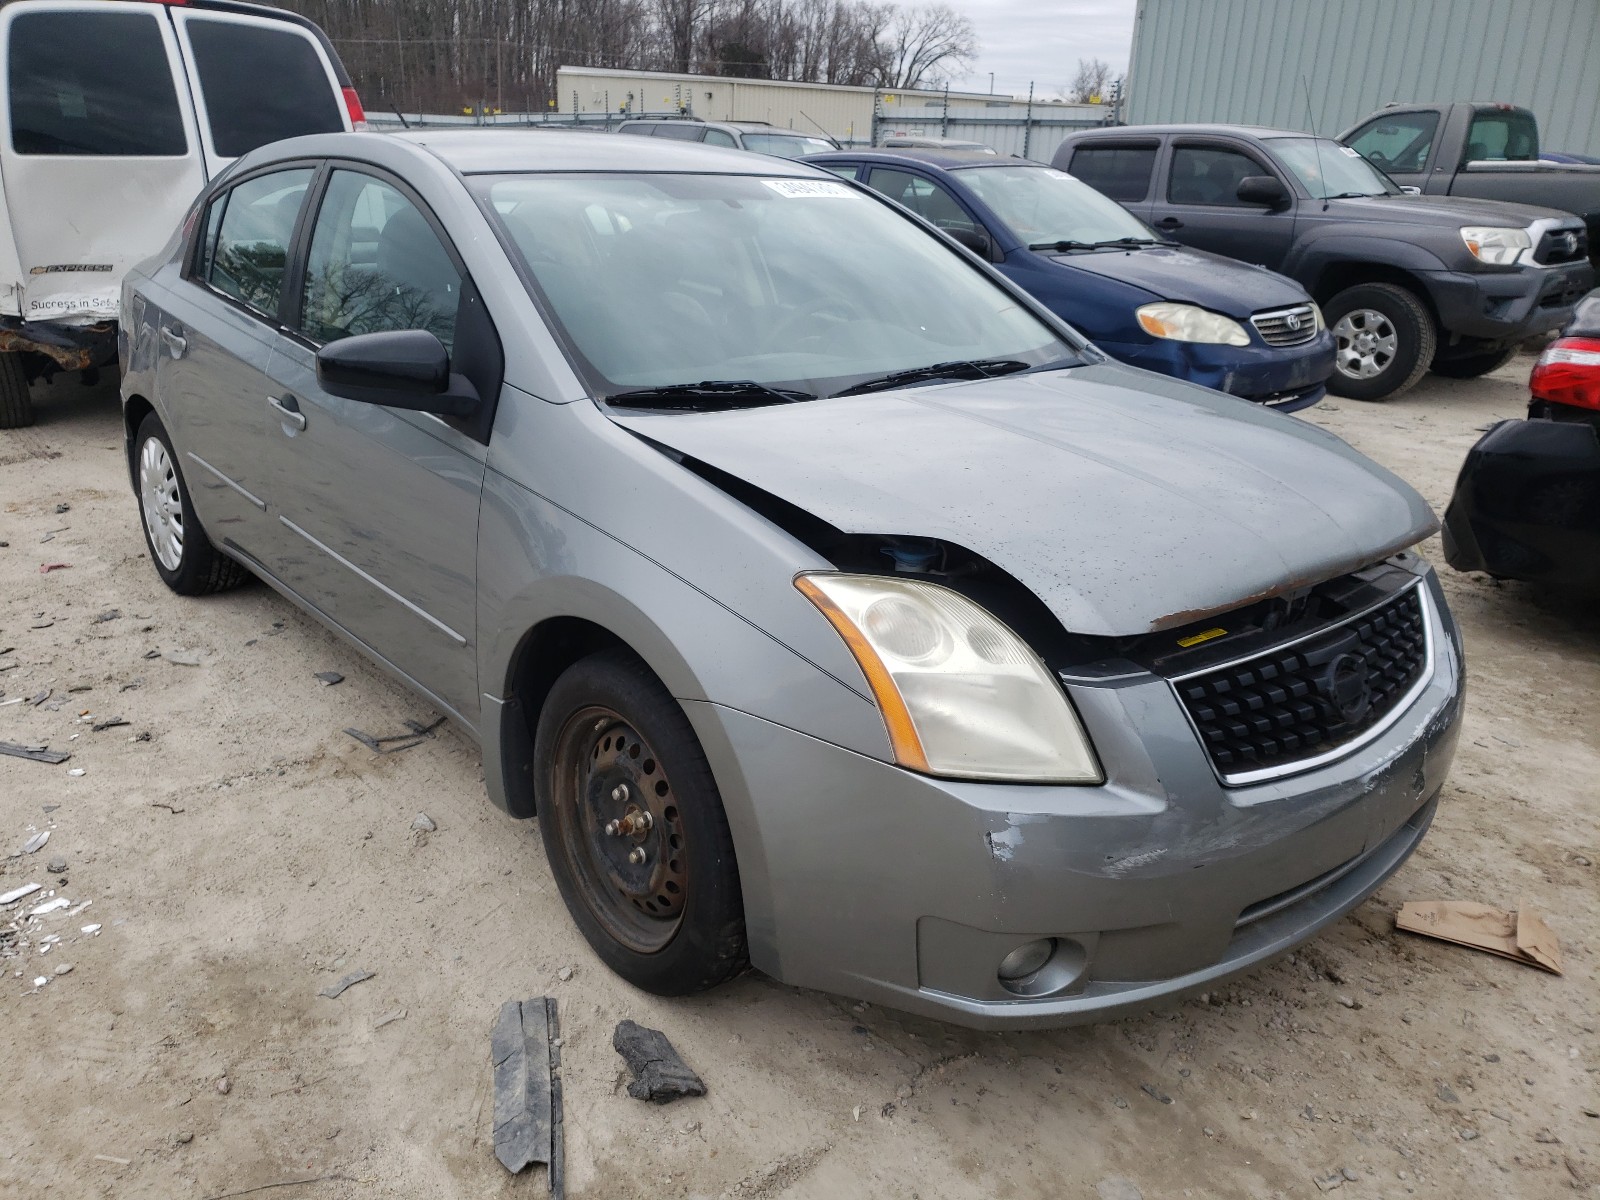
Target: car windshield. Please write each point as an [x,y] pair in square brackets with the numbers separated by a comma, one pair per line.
[1329,170]
[1044,205]
[787,145]
[799,284]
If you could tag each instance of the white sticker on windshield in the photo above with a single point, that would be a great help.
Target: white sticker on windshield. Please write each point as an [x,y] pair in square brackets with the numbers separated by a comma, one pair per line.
[808,189]
[1352,153]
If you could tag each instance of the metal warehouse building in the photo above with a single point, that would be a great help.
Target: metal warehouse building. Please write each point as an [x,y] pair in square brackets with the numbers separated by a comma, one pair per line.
[1254,61]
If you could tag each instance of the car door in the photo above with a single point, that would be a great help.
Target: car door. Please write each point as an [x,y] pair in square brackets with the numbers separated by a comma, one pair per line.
[1120,169]
[217,330]
[1398,144]
[379,506]
[100,154]
[1199,205]
[257,80]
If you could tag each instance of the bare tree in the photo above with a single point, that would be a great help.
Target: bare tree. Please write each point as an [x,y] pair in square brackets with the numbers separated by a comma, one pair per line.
[1092,82]
[920,41]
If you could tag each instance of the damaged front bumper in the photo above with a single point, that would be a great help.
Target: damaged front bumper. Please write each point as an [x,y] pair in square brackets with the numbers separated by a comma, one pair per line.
[65,347]
[871,881]
[1527,504]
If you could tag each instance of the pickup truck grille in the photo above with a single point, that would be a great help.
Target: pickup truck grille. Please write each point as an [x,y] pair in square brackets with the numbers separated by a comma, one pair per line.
[1283,709]
[1286,326]
[1562,246]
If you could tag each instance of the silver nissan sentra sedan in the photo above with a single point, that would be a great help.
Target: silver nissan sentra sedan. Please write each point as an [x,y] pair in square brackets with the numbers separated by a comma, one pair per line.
[834,607]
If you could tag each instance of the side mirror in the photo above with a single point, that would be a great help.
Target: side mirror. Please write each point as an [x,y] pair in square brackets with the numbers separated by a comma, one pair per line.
[973,239]
[1262,189]
[403,368]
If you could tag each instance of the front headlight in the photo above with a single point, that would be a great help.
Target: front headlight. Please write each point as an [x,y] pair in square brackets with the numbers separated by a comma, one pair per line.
[961,694]
[1186,323]
[1491,244]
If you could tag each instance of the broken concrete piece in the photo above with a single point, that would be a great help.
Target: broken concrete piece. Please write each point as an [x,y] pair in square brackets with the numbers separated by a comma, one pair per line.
[525,1051]
[1521,935]
[334,990]
[423,823]
[16,894]
[183,658]
[57,866]
[33,753]
[329,678]
[659,1074]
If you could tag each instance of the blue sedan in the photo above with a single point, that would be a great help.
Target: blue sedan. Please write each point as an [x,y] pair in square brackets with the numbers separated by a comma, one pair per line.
[1182,312]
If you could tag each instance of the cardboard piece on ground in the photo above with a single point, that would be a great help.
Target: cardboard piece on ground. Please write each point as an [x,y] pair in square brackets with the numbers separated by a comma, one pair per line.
[1521,935]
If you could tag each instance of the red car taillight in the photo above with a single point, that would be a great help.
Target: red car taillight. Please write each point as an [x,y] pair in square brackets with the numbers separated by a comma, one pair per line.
[1568,372]
[352,104]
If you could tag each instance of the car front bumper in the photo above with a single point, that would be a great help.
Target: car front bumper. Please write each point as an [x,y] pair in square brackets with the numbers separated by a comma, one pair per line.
[874,882]
[1504,306]
[1527,504]
[1287,378]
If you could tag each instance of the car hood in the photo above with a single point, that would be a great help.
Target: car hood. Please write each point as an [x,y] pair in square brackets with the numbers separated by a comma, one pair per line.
[1126,501]
[1192,276]
[1447,211]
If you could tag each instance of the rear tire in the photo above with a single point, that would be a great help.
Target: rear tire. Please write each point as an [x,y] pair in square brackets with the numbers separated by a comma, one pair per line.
[659,902]
[1471,366]
[1384,339]
[16,402]
[183,556]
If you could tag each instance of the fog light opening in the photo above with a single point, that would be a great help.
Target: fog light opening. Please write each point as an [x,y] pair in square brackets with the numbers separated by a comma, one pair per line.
[1023,963]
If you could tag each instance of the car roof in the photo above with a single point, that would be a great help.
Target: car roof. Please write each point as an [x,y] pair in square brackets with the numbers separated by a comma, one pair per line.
[741,126]
[484,151]
[1115,131]
[932,156]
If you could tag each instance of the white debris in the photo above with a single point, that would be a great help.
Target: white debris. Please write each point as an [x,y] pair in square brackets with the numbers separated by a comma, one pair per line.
[50,906]
[75,911]
[423,823]
[75,772]
[36,842]
[90,929]
[63,968]
[40,980]
[16,894]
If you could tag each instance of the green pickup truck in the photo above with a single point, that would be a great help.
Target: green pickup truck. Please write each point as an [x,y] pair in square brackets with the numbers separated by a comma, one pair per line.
[1490,151]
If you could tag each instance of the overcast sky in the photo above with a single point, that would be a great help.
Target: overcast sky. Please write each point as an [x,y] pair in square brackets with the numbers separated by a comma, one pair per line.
[1042,40]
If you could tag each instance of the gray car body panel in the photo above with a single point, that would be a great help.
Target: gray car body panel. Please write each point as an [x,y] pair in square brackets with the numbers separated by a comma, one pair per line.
[1128,505]
[1128,502]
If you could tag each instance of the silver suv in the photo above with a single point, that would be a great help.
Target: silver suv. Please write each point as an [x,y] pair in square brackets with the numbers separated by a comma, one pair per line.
[757,136]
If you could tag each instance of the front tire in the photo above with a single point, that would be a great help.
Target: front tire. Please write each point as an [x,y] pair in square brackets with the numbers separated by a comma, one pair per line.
[634,829]
[183,556]
[16,402]
[1384,338]
[1471,366]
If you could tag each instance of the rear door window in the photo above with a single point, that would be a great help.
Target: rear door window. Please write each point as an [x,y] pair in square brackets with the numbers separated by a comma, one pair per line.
[250,253]
[719,137]
[376,264]
[260,82]
[1121,172]
[92,83]
[683,133]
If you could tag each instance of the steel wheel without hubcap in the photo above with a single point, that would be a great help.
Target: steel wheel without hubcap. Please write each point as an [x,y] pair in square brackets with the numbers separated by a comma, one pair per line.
[619,829]
[161,503]
[1366,342]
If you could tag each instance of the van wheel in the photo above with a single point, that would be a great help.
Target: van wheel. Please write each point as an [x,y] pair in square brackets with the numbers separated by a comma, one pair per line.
[1384,340]
[1470,366]
[634,828]
[16,403]
[184,557]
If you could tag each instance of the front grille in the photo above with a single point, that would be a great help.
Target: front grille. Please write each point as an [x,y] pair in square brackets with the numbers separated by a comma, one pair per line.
[1562,246]
[1310,699]
[1286,326]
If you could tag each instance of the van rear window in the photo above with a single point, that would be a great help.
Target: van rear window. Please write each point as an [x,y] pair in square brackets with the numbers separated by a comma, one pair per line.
[92,83]
[260,85]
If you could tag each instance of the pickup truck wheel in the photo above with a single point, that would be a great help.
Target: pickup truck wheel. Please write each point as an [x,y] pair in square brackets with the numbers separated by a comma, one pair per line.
[1470,366]
[183,556]
[634,829]
[16,404]
[1384,341]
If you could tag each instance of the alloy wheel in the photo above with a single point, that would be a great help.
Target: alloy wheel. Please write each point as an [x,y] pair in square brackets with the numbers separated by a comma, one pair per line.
[1366,343]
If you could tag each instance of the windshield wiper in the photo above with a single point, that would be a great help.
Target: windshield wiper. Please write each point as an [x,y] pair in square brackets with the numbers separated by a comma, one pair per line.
[980,368]
[1063,246]
[1356,196]
[710,393]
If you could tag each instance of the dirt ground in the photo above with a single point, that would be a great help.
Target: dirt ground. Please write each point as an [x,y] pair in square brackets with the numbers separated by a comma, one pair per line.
[241,853]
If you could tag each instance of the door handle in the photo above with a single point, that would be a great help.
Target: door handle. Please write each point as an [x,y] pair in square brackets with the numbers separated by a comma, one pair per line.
[1169,223]
[288,409]
[176,342]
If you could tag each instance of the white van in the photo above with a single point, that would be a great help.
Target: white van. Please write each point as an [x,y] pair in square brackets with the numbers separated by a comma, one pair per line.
[113,115]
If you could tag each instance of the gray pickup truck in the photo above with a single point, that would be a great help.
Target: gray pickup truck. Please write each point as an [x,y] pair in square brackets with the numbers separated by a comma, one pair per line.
[1406,283]
[1490,151]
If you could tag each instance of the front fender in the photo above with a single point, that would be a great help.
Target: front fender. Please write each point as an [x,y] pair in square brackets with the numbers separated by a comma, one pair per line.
[1322,249]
